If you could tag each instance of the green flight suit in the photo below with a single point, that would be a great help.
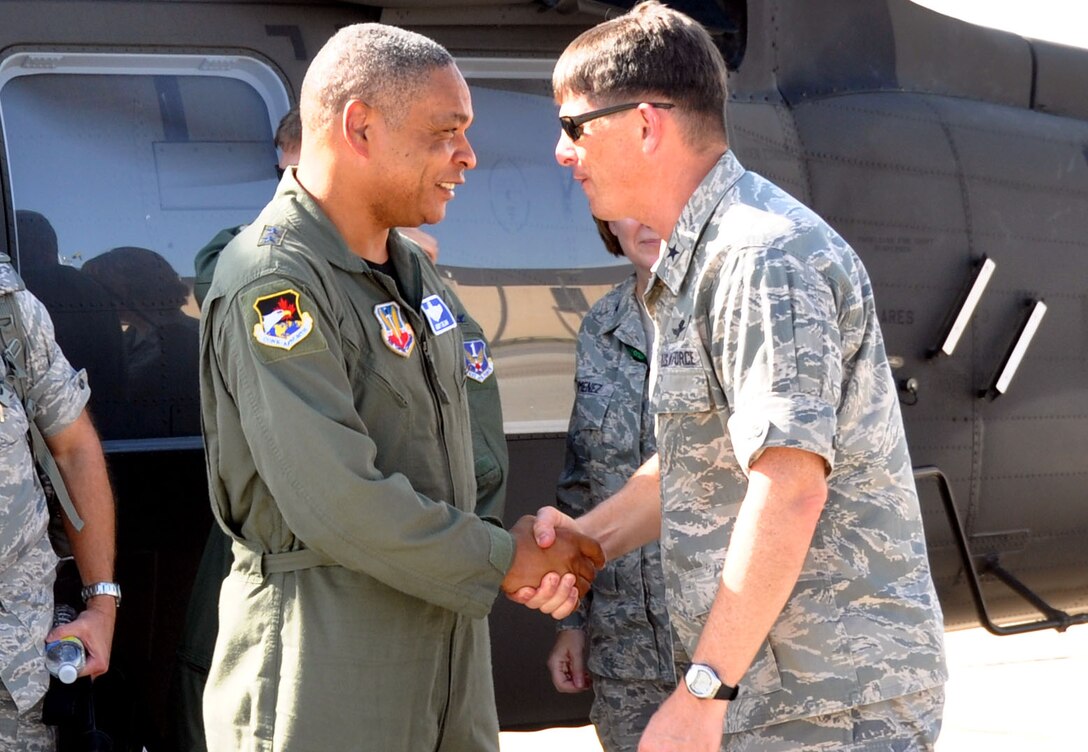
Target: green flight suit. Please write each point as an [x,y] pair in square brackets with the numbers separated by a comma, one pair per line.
[340,461]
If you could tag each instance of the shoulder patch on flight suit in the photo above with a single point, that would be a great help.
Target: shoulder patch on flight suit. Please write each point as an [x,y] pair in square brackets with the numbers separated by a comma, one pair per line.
[284,337]
[272,235]
[478,363]
[282,323]
[438,314]
[397,332]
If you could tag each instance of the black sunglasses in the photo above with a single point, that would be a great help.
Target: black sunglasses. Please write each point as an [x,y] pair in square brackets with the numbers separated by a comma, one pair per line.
[572,124]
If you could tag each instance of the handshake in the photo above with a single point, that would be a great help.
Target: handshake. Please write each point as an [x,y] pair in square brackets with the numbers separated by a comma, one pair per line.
[548,578]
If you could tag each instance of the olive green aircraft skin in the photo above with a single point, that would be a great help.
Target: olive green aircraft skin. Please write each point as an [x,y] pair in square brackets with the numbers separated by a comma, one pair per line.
[930,144]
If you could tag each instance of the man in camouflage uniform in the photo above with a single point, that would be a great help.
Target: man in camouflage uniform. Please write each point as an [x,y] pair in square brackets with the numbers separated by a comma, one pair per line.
[623,618]
[58,394]
[792,541]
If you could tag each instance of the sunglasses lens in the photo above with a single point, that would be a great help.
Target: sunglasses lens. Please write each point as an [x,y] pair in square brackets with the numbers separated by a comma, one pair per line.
[573,131]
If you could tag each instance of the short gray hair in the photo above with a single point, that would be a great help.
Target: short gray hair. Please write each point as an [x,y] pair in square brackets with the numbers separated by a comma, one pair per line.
[375,63]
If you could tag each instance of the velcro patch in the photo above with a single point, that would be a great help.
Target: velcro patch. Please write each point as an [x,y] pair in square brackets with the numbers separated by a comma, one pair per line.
[478,363]
[281,321]
[272,235]
[438,314]
[397,332]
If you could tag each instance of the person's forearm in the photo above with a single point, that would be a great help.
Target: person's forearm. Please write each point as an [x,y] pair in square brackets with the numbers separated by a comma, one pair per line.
[773,533]
[631,517]
[78,454]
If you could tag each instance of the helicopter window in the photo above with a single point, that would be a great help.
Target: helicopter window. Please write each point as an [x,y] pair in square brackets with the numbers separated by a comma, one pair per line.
[120,169]
[519,244]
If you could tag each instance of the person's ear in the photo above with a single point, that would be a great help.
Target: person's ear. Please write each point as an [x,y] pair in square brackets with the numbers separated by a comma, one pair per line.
[653,127]
[357,126]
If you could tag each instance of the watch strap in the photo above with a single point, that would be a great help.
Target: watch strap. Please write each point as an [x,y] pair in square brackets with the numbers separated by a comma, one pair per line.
[723,692]
[111,589]
[727,692]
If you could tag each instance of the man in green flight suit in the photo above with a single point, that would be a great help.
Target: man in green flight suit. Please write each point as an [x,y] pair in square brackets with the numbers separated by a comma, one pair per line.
[489,451]
[338,439]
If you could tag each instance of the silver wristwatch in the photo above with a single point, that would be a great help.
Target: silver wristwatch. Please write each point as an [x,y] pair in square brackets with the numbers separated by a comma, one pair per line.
[703,682]
[111,589]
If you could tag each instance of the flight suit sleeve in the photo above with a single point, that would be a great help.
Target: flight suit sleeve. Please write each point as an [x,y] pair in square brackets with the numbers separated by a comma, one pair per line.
[206,260]
[312,450]
[491,458]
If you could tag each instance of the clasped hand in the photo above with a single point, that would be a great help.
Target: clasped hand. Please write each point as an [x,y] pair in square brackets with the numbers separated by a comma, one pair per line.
[567,566]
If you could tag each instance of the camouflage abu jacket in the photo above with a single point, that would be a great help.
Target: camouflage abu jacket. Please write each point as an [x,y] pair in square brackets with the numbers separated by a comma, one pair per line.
[610,436]
[767,335]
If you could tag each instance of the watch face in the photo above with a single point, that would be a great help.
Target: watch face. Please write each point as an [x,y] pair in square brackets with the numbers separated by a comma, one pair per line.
[700,681]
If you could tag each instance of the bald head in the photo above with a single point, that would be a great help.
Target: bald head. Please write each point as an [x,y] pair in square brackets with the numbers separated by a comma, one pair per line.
[380,65]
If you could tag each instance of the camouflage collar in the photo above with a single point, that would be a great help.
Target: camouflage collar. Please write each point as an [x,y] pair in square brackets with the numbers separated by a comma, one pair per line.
[673,266]
[626,320]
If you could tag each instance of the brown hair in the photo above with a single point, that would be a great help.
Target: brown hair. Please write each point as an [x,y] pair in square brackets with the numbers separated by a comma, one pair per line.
[611,242]
[650,52]
[289,131]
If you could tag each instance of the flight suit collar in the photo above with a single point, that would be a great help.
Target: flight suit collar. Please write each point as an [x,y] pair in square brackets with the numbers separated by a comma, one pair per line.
[313,222]
[336,251]
[673,265]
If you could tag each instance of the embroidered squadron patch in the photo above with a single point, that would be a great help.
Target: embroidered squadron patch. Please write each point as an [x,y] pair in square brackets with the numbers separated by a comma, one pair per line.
[272,235]
[282,323]
[397,332]
[478,364]
[439,316]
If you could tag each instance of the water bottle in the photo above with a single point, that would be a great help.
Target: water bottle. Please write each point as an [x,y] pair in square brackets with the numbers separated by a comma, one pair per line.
[64,657]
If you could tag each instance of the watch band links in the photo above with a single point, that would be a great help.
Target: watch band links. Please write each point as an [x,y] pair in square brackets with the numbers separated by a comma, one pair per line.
[111,589]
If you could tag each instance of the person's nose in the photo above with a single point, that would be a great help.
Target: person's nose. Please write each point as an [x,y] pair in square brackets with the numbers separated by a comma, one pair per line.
[564,151]
[465,155]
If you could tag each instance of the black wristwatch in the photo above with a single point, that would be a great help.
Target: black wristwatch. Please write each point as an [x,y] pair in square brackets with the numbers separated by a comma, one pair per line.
[703,682]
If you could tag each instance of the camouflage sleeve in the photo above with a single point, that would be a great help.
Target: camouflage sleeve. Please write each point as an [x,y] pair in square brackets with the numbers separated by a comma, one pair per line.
[59,391]
[778,354]
[573,493]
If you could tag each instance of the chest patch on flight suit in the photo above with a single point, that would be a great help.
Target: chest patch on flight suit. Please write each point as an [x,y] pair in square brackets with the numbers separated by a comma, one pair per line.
[478,364]
[272,235]
[438,314]
[397,333]
[282,323]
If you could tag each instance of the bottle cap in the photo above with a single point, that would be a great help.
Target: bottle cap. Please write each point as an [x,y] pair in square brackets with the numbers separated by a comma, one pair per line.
[67,673]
